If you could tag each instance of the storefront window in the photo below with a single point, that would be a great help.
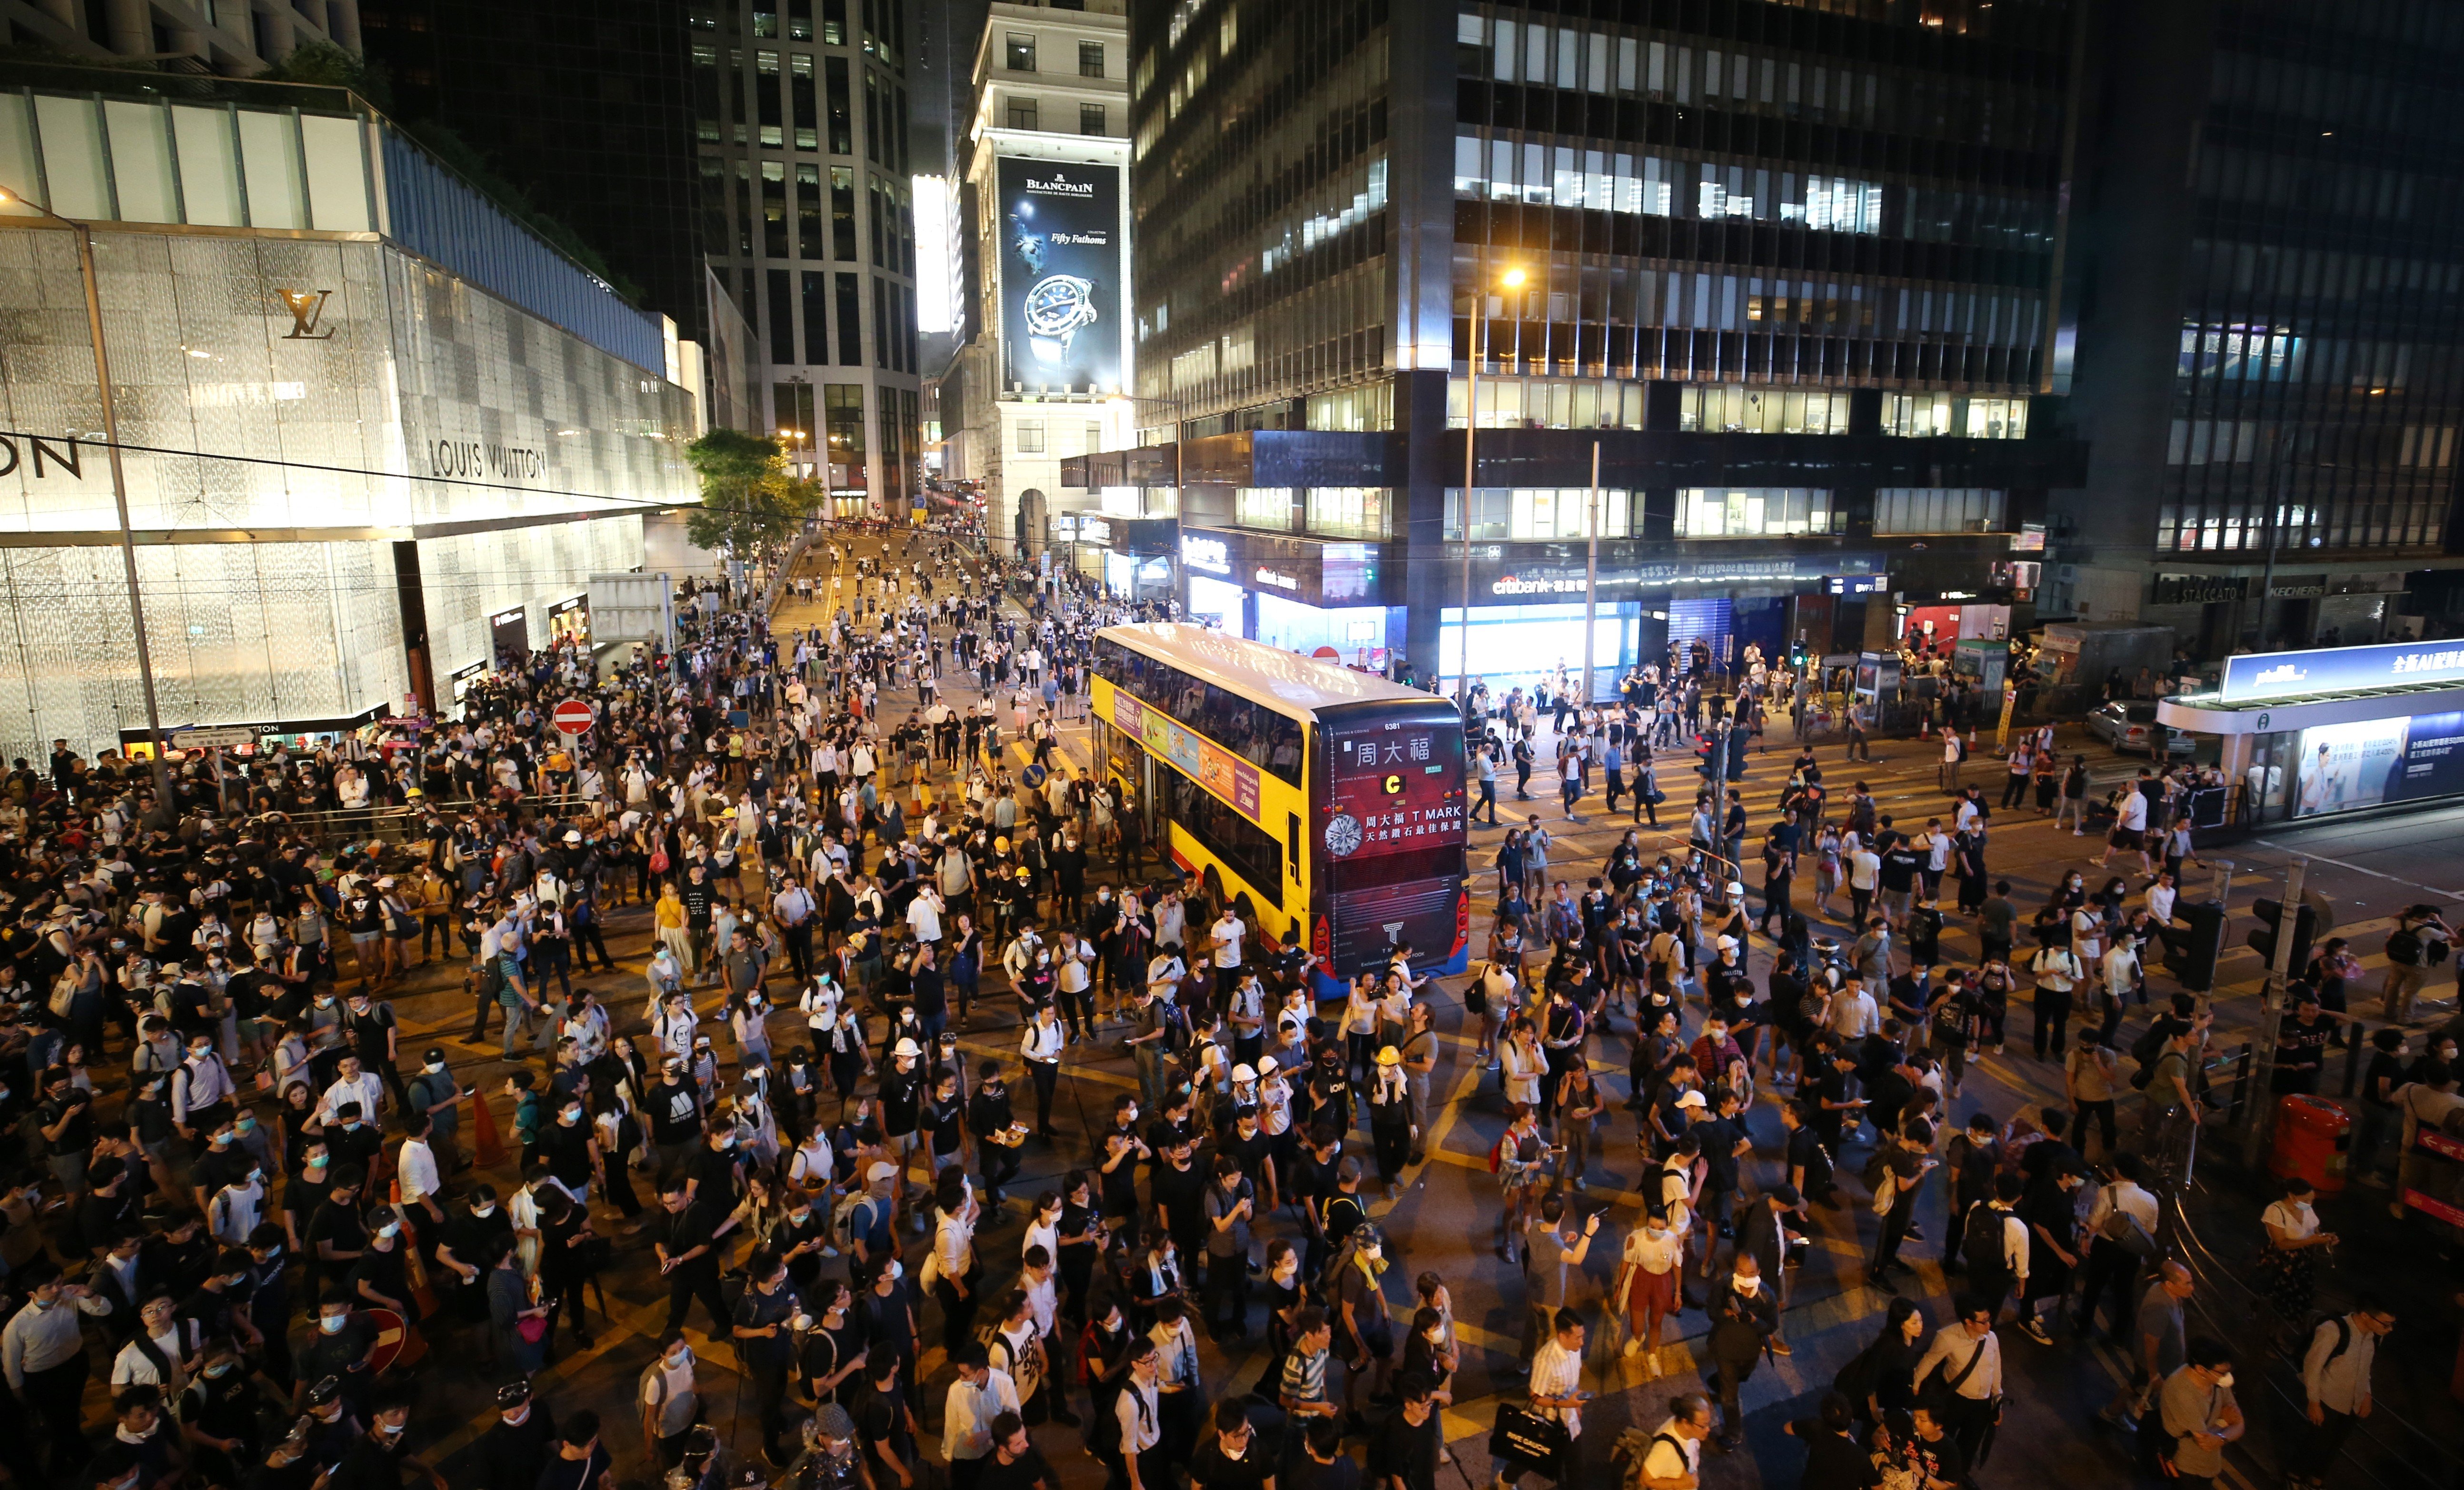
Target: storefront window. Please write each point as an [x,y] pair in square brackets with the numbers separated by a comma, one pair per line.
[1348,512]
[1762,411]
[1352,631]
[1263,506]
[1759,512]
[1938,509]
[1539,513]
[1515,644]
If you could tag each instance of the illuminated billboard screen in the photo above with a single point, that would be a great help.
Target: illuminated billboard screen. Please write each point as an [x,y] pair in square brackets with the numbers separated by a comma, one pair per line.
[1061,271]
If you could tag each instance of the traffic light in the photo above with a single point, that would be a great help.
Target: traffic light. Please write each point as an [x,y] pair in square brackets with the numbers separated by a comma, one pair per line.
[1796,655]
[2271,919]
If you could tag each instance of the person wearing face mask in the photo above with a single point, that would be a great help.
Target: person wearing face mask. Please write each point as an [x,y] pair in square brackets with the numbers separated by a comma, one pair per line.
[2200,1416]
[379,1458]
[341,1351]
[998,1133]
[570,1145]
[221,1410]
[518,1445]
[670,1404]
[1745,1314]
[202,1092]
[381,1278]
[469,1239]
[435,1093]
[236,1209]
[1648,1273]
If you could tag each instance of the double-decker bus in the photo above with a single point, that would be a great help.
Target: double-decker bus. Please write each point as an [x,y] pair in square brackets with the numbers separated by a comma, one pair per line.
[1302,791]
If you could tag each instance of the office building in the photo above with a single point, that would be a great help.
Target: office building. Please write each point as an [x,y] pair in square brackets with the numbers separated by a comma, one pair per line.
[801,110]
[2271,321]
[376,435]
[1789,271]
[234,39]
[1042,224]
[586,108]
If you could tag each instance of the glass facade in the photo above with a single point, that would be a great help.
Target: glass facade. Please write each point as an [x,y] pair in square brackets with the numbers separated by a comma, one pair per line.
[1757,220]
[2320,364]
[295,455]
[835,306]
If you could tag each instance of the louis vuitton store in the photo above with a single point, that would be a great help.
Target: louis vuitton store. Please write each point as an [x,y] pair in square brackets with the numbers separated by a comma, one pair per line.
[346,463]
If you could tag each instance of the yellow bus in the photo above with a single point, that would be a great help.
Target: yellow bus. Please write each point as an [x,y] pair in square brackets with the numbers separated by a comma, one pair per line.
[1304,792]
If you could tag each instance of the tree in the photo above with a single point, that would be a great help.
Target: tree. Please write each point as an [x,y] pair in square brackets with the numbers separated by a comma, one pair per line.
[748,499]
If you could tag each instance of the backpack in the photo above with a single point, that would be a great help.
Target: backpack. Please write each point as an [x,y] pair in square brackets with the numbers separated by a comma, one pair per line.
[1980,1237]
[2125,1231]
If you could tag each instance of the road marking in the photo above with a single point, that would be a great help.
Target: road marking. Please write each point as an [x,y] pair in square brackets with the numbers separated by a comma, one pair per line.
[2347,863]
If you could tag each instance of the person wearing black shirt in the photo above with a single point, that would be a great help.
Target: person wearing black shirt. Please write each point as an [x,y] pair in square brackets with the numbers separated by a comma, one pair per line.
[885,1424]
[762,1344]
[516,1446]
[1015,1463]
[689,1256]
[571,1150]
[2301,1047]
[1809,1164]
[1178,1189]
[1232,1457]
[675,1109]
[345,1342]
[461,1252]
[1403,1453]
[379,1278]
[990,1119]
[1834,1459]
[334,1238]
[712,1178]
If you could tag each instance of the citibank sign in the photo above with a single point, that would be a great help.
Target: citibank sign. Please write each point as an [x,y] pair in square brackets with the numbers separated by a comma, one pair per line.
[1206,553]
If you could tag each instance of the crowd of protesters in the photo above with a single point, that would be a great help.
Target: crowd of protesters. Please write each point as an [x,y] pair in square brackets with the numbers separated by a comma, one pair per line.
[240,1196]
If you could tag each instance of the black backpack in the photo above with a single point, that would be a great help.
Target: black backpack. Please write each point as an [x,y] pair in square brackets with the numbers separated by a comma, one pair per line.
[1980,1237]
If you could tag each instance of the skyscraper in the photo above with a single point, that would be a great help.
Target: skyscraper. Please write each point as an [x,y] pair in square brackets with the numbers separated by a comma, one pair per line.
[2270,321]
[1043,223]
[588,109]
[1787,272]
[801,114]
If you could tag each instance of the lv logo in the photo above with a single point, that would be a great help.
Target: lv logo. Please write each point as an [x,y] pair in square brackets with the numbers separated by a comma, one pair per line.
[307,308]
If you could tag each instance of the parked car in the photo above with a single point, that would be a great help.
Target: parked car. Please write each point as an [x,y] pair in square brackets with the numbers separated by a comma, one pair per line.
[2128,726]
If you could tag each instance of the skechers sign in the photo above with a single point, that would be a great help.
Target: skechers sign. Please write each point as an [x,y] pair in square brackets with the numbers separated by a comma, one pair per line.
[2342,670]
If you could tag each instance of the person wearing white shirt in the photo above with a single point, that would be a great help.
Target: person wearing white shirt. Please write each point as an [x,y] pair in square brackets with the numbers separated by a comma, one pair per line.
[164,1353]
[1674,1461]
[1969,1355]
[1225,937]
[978,1395]
[415,1165]
[924,914]
[351,1084]
[1138,1412]
[1853,1014]
[1040,1045]
[1557,1382]
[2130,828]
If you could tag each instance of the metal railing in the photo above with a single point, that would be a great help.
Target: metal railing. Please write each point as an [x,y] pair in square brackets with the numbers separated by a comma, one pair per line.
[399,825]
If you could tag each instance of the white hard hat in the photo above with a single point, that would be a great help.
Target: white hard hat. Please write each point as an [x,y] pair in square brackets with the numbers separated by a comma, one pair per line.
[1245,1073]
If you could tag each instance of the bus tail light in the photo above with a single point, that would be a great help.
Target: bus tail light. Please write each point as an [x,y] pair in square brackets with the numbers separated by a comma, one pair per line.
[1322,940]
[1463,921]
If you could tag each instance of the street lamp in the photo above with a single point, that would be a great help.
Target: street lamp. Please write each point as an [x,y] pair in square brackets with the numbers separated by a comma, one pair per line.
[1511,279]
[119,480]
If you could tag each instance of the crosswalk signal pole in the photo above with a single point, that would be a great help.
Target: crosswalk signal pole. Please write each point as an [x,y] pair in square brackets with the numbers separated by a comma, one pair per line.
[2259,1118]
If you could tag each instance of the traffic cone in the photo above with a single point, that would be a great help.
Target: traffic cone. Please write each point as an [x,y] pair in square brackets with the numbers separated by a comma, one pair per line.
[487,1149]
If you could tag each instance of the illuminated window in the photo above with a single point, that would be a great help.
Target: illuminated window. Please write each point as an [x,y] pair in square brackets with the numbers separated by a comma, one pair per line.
[1760,511]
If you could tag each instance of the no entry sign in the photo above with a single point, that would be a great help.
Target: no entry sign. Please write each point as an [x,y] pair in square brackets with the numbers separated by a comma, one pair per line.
[572,716]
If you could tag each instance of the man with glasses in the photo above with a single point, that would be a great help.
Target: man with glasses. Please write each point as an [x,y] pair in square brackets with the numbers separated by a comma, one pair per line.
[1961,1373]
[2336,1380]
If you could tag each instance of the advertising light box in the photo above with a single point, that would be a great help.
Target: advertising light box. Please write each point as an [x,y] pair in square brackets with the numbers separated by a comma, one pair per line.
[1062,272]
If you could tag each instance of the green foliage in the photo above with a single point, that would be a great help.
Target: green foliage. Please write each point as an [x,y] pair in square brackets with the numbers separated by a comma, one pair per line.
[331,66]
[749,501]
